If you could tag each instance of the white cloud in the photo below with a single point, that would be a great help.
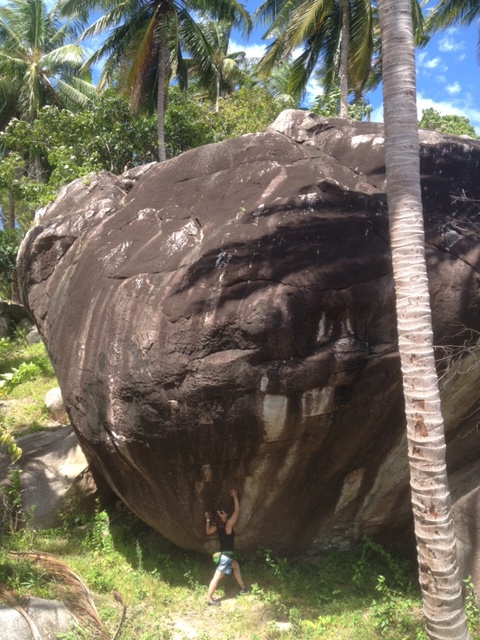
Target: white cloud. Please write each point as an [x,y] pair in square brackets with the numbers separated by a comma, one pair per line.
[449,45]
[432,63]
[454,88]
[313,90]
[425,64]
[421,57]
[251,50]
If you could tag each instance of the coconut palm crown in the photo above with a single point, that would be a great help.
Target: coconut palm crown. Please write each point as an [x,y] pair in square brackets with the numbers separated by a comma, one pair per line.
[39,59]
[146,40]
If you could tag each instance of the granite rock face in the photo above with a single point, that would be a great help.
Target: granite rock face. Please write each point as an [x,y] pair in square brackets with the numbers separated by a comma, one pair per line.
[226,319]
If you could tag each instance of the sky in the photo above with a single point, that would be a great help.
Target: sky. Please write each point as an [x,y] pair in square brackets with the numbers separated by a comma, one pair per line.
[448,76]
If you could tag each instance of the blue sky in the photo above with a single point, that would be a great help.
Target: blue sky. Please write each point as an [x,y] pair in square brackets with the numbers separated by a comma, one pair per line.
[448,77]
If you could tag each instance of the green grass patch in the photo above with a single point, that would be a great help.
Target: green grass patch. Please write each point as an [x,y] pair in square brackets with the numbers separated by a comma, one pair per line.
[28,374]
[363,594]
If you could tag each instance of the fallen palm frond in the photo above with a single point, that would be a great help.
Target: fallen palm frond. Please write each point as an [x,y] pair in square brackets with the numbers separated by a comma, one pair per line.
[73,591]
[119,599]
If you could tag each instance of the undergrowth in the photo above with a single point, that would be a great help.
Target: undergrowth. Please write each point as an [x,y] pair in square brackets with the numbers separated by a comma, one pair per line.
[26,374]
[367,593]
[363,594]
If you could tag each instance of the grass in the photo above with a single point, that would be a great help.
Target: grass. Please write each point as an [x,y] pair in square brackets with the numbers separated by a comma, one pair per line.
[332,597]
[24,407]
[367,593]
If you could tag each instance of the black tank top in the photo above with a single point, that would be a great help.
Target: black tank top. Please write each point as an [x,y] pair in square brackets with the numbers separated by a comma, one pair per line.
[226,540]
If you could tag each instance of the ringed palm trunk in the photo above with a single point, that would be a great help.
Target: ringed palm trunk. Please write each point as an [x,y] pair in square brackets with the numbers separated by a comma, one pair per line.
[217,91]
[344,50]
[162,73]
[436,546]
[11,210]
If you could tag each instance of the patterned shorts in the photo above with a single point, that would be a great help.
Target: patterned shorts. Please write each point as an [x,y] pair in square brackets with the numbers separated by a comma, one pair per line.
[225,565]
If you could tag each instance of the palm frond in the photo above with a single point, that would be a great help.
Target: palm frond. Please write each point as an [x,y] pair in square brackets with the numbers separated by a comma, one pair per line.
[303,67]
[71,54]
[450,12]
[276,14]
[75,93]
[76,594]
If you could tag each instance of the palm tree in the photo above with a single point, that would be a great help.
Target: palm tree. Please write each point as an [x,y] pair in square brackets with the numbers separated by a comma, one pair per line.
[221,71]
[39,66]
[340,35]
[39,58]
[436,546]
[145,42]
[449,12]
[339,32]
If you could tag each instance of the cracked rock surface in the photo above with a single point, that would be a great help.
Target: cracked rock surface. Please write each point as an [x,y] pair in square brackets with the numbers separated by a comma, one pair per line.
[226,320]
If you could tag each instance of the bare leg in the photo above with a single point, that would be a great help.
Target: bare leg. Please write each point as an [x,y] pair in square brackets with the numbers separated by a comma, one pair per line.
[214,584]
[237,573]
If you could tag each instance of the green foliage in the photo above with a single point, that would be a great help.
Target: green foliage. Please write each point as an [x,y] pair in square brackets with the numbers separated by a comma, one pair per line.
[328,105]
[24,368]
[40,58]
[392,613]
[8,382]
[7,441]
[188,122]
[97,533]
[164,586]
[21,576]
[456,125]
[76,633]
[470,605]
[9,243]
[11,503]
[246,111]
[70,145]
[26,371]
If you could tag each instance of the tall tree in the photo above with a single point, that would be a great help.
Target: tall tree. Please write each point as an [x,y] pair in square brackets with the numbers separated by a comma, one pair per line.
[338,33]
[39,58]
[436,546]
[39,65]
[220,71]
[145,43]
[339,38]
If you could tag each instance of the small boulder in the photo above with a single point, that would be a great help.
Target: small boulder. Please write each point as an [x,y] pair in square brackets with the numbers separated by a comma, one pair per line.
[50,618]
[33,336]
[56,408]
[25,325]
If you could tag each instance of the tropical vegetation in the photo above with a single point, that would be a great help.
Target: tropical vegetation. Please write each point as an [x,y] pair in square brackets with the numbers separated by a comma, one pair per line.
[169,82]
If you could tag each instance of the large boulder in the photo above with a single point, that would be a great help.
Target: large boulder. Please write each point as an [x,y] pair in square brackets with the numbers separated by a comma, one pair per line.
[226,319]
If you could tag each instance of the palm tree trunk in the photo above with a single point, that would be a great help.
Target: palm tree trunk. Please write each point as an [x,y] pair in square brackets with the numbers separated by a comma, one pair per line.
[344,50]
[37,163]
[436,546]
[217,92]
[162,72]
[11,210]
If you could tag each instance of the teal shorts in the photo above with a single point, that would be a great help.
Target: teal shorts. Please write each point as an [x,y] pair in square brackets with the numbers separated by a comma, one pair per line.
[225,564]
